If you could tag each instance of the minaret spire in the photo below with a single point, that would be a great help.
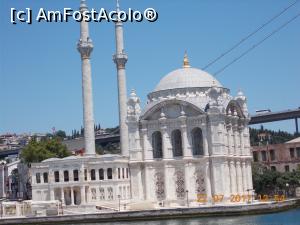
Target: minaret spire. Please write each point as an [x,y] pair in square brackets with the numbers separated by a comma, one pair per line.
[118,6]
[85,48]
[120,59]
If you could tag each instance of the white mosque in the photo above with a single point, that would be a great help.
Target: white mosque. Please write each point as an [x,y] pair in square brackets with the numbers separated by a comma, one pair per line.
[190,139]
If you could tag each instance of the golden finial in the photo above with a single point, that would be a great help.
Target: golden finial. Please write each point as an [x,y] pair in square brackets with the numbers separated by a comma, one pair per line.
[186,63]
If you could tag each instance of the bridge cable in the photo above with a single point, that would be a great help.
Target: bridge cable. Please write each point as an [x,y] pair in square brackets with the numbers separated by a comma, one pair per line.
[248,36]
[257,44]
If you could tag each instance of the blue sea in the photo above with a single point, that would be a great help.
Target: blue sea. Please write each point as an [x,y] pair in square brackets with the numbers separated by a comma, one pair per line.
[291,217]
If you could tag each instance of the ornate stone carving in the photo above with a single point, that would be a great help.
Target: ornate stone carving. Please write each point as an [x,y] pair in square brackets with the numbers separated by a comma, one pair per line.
[102,193]
[85,48]
[200,182]
[133,105]
[110,193]
[180,191]
[120,59]
[159,186]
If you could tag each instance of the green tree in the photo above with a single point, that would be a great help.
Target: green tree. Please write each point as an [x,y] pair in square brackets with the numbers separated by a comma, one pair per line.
[38,151]
[60,134]
[266,181]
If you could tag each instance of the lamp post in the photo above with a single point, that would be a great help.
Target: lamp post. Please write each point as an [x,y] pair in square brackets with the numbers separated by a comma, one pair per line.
[119,197]
[249,195]
[287,189]
[1,209]
[187,198]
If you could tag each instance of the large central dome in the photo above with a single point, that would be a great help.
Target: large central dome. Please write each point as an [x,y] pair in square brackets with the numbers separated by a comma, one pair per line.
[186,77]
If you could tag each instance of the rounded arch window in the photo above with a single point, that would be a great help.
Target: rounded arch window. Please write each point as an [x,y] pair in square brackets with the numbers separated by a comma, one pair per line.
[157,145]
[197,141]
[176,143]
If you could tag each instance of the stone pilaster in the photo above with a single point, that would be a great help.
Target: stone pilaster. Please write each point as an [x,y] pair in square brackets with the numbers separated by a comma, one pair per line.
[147,184]
[249,174]
[245,175]
[165,142]
[229,138]
[233,179]
[226,180]
[52,197]
[208,179]
[242,144]
[239,177]
[205,141]
[82,195]
[185,143]
[62,196]
[72,195]
[148,153]
[235,136]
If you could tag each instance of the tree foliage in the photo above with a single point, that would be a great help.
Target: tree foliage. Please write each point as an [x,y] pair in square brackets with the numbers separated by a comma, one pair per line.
[38,151]
[266,181]
[60,134]
[275,137]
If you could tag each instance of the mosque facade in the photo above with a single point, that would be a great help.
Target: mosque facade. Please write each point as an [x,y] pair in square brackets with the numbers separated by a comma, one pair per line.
[190,140]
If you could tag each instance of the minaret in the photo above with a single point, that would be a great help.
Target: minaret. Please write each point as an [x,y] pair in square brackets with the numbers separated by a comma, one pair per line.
[85,48]
[120,59]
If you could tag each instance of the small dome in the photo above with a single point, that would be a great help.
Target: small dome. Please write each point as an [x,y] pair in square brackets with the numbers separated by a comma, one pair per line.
[187,77]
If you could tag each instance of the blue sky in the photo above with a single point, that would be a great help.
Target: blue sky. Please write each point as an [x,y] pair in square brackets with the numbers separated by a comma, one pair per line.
[40,68]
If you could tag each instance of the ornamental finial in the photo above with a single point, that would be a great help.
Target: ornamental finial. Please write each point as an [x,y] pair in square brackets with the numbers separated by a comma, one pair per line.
[186,63]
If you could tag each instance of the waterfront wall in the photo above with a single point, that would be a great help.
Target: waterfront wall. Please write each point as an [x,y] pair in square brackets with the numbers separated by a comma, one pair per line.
[160,214]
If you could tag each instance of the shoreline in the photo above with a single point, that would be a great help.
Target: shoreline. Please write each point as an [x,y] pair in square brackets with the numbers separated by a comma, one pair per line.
[167,213]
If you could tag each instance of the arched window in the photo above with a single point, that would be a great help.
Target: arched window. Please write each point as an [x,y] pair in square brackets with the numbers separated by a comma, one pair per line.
[197,141]
[75,175]
[45,176]
[93,174]
[66,176]
[157,145]
[38,178]
[176,143]
[56,176]
[101,174]
[109,173]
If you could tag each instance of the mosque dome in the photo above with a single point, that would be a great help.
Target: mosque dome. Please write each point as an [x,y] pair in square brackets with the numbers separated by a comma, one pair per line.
[186,77]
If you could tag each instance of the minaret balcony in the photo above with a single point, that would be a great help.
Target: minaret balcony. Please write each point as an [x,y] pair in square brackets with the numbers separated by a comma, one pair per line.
[85,48]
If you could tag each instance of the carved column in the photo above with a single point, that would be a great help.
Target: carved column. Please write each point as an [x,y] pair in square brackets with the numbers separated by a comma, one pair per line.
[82,195]
[147,184]
[233,178]
[81,174]
[229,139]
[165,137]
[235,136]
[241,132]
[249,174]
[208,181]
[239,177]
[185,144]
[205,142]
[166,182]
[226,181]
[72,195]
[52,197]
[148,153]
[165,142]
[63,196]
[245,175]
